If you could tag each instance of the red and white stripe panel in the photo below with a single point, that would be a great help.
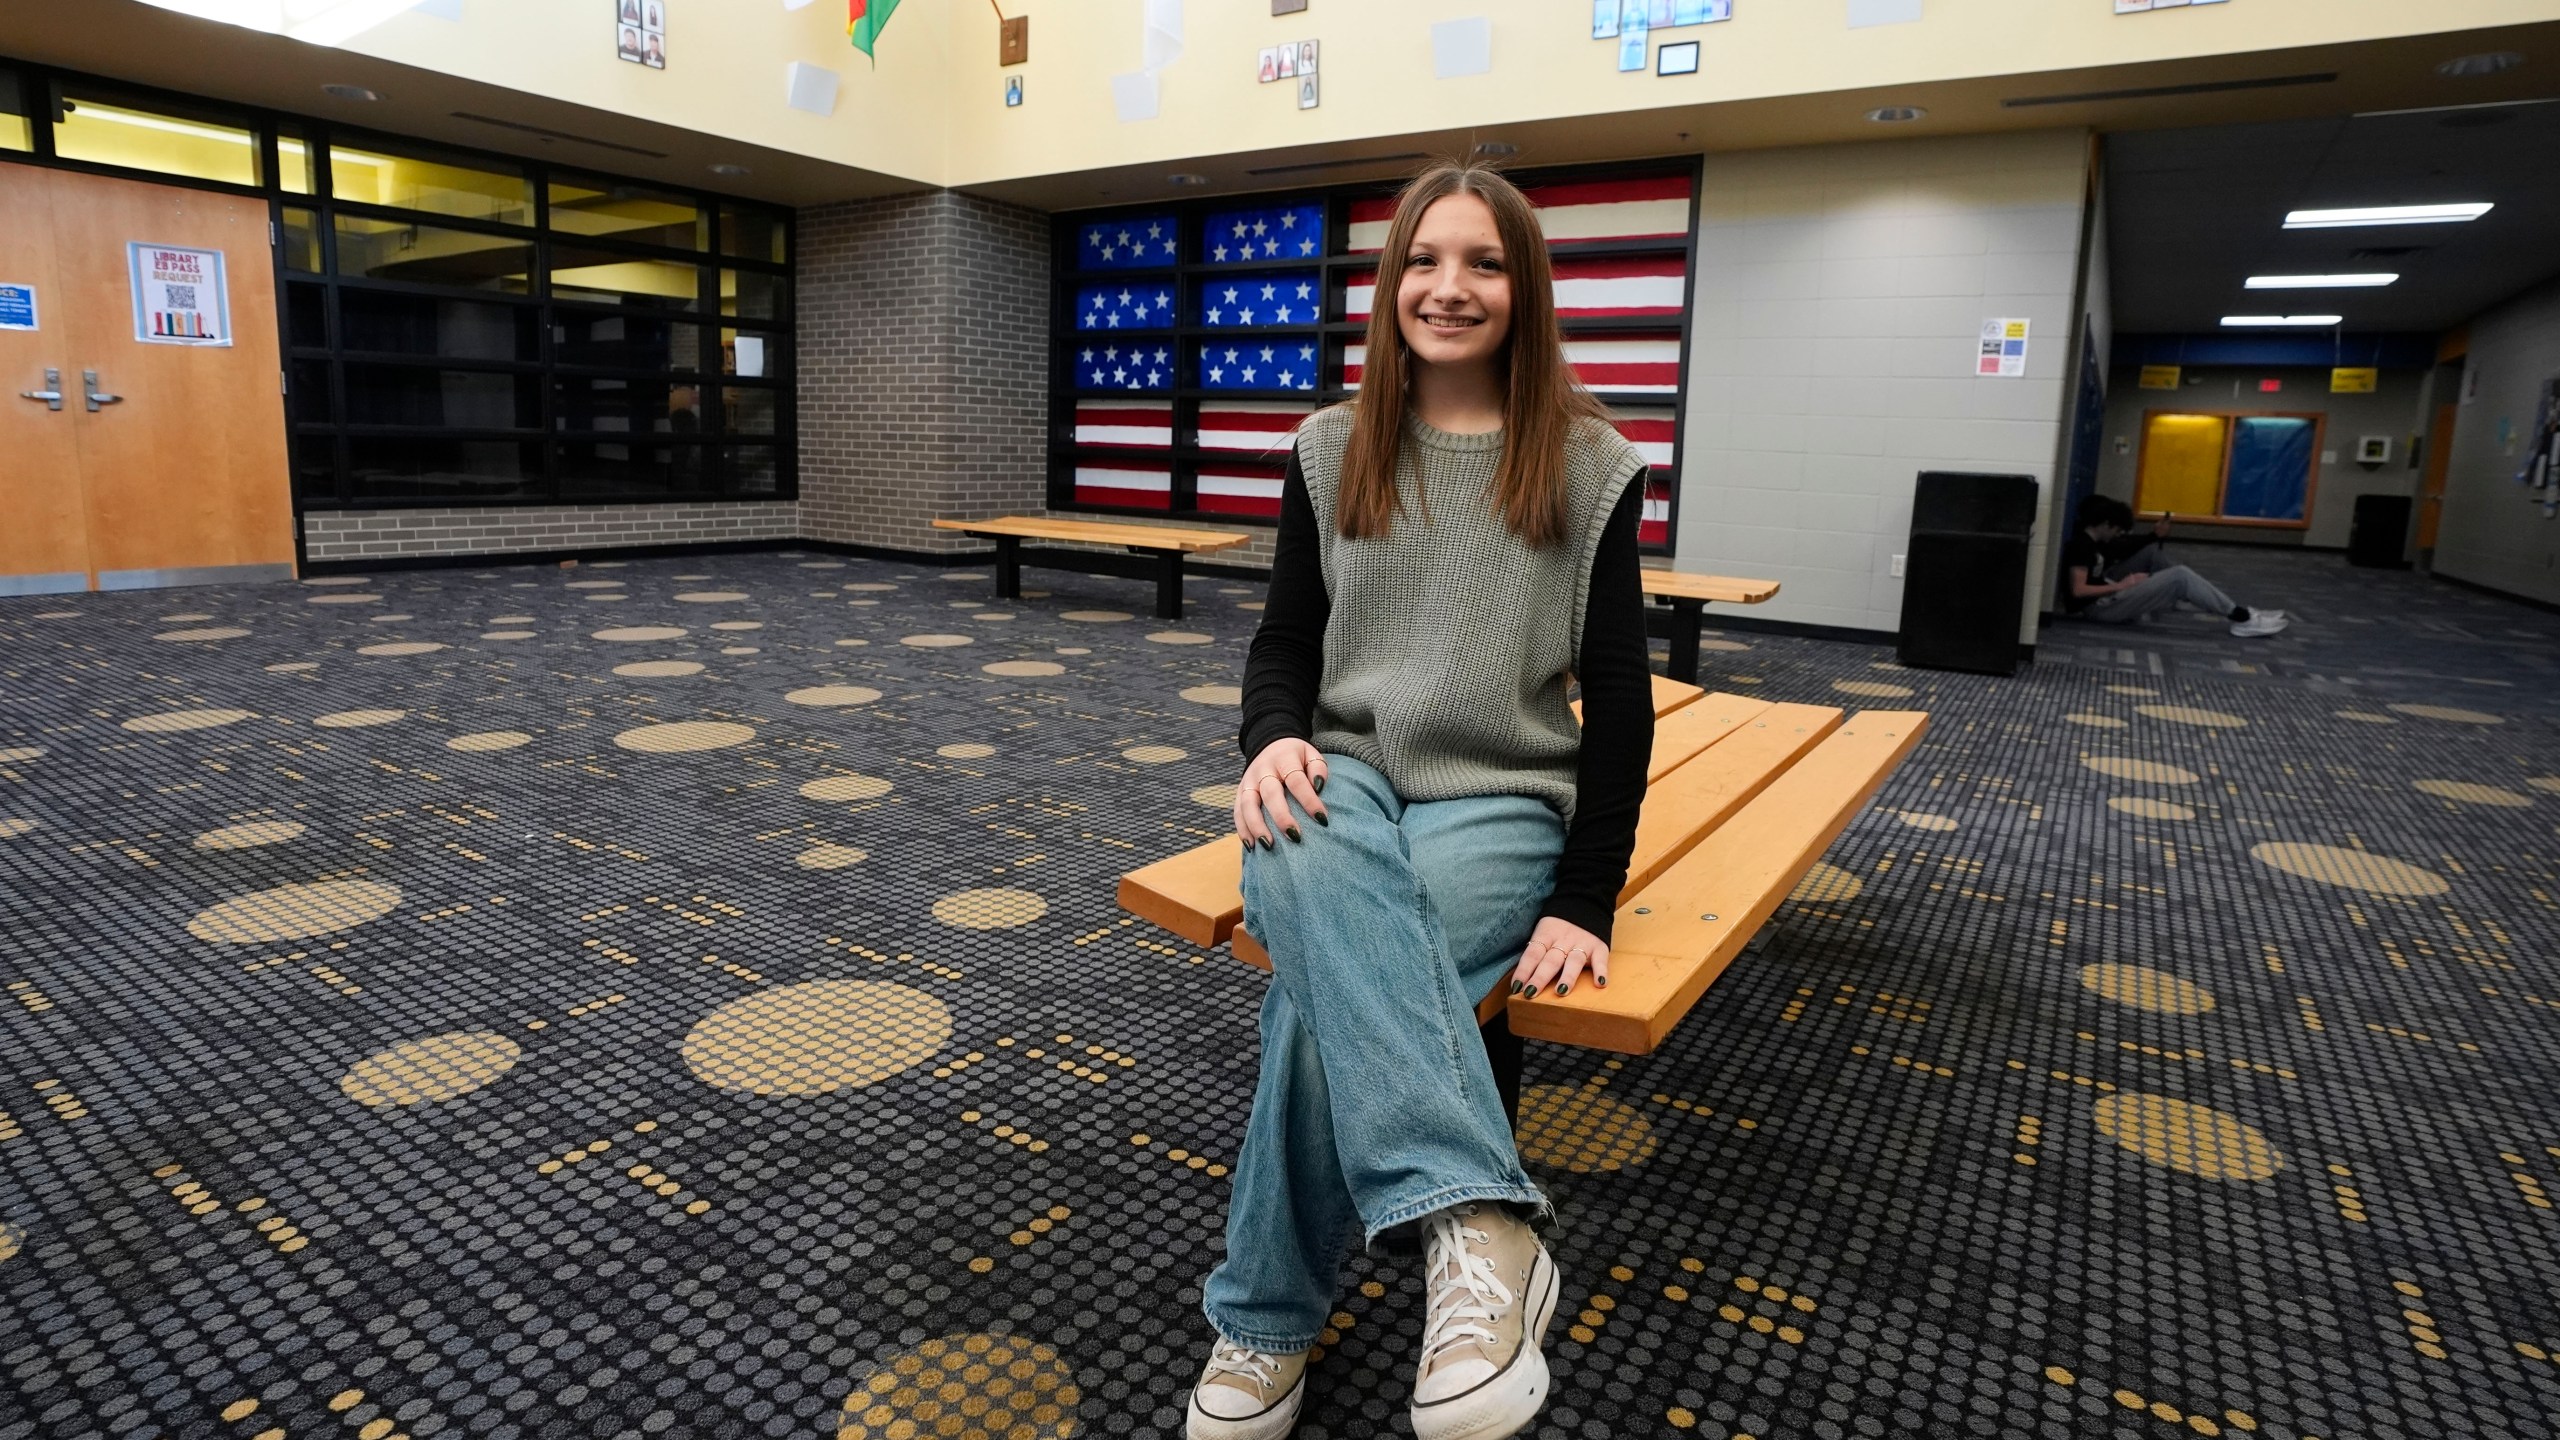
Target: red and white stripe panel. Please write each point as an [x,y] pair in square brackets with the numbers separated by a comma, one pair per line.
[1143,423]
[1112,485]
[1353,358]
[1258,427]
[1655,527]
[1648,363]
[1591,210]
[1235,490]
[1652,432]
[1585,288]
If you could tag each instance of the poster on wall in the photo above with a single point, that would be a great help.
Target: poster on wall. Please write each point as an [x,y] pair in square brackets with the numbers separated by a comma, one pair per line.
[640,32]
[2004,349]
[17,307]
[180,297]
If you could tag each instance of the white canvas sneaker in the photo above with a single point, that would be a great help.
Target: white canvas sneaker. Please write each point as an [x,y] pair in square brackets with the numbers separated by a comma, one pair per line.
[1492,1292]
[2260,622]
[1247,1395]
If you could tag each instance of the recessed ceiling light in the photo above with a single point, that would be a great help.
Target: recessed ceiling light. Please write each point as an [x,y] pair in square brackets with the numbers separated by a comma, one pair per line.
[1895,114]
[351,92]
[1500,149]
[727,167]
[2317,282]
[2258,321]
[1185,177]
[2489,63]
[2387,215]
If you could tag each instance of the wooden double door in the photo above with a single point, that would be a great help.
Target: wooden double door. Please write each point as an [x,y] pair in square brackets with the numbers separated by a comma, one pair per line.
[128,462]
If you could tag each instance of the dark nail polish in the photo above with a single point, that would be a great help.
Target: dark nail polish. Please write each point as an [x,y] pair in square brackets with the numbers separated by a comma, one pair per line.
[1517,987]
[1602,981]
[1324,820]
[1529,994]
[1294,836]
[1319,784]
[1269,844]
[1561,989]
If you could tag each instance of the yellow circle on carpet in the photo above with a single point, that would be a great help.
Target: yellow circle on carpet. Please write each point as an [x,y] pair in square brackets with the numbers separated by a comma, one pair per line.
[506,634]
[1827,884]
[1722,645]
[711,597]
[1097,617]
[401,647]
[871,585]
[2451,714]
[292,912]
[847,787]
[985,1387]
[2471,794]
[163,724]
[989,909]
[219,632]
[2354,869]
[823,856]
[685,735]
[658,669]
[2364,717]
[737,624]
[2154,772]
[833,695]
[935,642]
[2097,722]
[2547,783]
[293,667]
[2150,809]
[1215,694]
[510,619]
[12,829]
[595,584]
[1875,688]
[340,580]
[816,1037]
[1919,820]
[628,633]
[20,752]
[2144,988]
[1577,1128]
[358,719]
[488,740]
[1221,796]
[2185,1136]
[2130,690]
[1180,637]
[1154,754]
[2189,715]
[346,599]
[254,833]
[424,1072]
[12,1240]
[1025,669]
[965,750]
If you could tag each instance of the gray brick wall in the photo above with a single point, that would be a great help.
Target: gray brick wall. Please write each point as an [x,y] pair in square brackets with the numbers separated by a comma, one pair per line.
[332,535]
[924,388]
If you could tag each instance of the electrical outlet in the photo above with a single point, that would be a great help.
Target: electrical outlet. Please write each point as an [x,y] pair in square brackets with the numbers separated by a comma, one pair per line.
[1897,567]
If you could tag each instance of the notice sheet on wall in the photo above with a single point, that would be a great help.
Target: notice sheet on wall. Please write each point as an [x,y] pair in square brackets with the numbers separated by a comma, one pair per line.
[2004,349]
[180,296]
[17,307]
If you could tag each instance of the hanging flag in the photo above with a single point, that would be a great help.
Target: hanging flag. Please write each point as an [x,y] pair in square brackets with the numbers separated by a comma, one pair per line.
[1649,363]
[1138,424]
[1240,491]
[1143,306]
[1265,232]
[864,20]
[1651,431]
[1128,243]
[1290,298]
[1257,427]
[1117,367]
[1270,362]
[1656,208]
[1593,286]
[1144,489]
[1654,526]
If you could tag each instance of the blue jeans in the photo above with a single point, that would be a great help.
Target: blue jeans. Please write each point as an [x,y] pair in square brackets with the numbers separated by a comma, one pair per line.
[1375,1102]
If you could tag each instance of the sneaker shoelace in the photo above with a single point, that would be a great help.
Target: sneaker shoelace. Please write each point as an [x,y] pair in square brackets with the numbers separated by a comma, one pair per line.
[1231,1359]
[1467,1293]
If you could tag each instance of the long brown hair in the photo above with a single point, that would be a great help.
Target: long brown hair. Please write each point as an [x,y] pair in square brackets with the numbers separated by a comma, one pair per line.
[1541,396]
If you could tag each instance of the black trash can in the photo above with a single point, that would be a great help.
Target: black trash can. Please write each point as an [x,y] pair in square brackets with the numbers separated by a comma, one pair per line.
[2379,539]
[1964,577]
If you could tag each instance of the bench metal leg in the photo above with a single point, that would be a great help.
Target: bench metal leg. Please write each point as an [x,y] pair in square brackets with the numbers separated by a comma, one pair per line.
[1169,587]
[1683,664]
[1008,567]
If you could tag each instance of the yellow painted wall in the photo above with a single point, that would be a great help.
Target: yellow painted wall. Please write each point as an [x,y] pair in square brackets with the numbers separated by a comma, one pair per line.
[933,109]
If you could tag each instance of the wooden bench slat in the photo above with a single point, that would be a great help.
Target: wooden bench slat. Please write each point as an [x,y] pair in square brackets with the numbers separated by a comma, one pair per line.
[1695,798]
[1679,736]
[1719,589]
[1661,961]
[1668,695]
[1152,537]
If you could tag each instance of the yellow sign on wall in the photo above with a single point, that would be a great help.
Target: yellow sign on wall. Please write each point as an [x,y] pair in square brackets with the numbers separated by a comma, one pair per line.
[2353,380]
[2159,377]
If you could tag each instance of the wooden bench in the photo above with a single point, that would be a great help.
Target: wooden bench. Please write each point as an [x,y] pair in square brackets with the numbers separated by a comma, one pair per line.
[1743,796]
[1688,596]
[1159,550]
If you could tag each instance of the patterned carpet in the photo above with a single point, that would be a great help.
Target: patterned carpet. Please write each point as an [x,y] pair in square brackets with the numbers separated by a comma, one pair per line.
[685,998]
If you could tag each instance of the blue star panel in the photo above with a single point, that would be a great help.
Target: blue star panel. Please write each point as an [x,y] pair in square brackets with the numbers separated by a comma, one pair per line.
[1263,362]
[1126,305]
[1123,367]
[1132,242]
[1292,297]
[1264,233]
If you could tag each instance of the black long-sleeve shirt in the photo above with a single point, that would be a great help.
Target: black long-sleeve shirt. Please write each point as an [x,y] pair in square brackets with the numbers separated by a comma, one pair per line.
[1286,666]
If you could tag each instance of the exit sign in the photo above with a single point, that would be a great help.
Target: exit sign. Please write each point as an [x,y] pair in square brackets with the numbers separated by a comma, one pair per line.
[2269,387]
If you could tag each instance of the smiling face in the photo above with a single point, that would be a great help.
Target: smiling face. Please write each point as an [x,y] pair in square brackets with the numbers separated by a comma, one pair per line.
[1453,302]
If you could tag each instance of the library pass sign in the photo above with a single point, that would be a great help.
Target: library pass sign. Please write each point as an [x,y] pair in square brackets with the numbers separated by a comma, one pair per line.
[180,296]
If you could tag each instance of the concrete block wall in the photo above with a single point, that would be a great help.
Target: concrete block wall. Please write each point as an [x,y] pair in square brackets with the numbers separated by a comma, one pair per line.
[339,535]
[923,333]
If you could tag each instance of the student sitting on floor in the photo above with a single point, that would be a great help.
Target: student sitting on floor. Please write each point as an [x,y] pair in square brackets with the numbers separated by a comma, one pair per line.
[1453,546]
[2113,586]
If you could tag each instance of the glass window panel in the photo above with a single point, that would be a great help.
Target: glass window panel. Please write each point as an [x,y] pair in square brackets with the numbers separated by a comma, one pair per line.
[309,400]
[442,399]
[103,133]
[659,407]
[430,255]
[753,356]
[382,468]
[306,311]
[315,467]
[299,240]
[749,470]
[749,409]
[295,163]
[605,278]
[625,342]
[424,180]
[751,234]
[609,468]
[626,212]
[434,325]
[15,131]
[752,295]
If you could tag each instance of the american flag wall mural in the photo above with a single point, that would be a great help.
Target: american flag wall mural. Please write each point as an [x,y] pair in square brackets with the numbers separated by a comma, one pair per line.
[1194,339]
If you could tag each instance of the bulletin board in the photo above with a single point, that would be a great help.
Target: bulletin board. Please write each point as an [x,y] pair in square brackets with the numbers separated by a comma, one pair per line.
[2255,467]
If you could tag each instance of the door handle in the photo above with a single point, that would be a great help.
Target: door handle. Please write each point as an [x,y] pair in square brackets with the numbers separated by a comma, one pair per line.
[51,394]
[96,397]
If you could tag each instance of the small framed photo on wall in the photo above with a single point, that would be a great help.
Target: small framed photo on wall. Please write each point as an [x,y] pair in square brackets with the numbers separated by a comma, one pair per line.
[1680,59]
[1309,93]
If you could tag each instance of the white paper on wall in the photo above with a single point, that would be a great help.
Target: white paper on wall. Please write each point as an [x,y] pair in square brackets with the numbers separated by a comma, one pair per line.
[1164,33]
[1461,47]
[1134,96]
[1863,13]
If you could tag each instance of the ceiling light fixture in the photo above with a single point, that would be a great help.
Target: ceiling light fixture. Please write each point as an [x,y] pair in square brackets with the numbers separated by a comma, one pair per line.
[2387,215]
[2489,63]
[1185,177]
[2317,282]
[350,92]
[2270,321]
[320,22]
[730,167]
[1895,114]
